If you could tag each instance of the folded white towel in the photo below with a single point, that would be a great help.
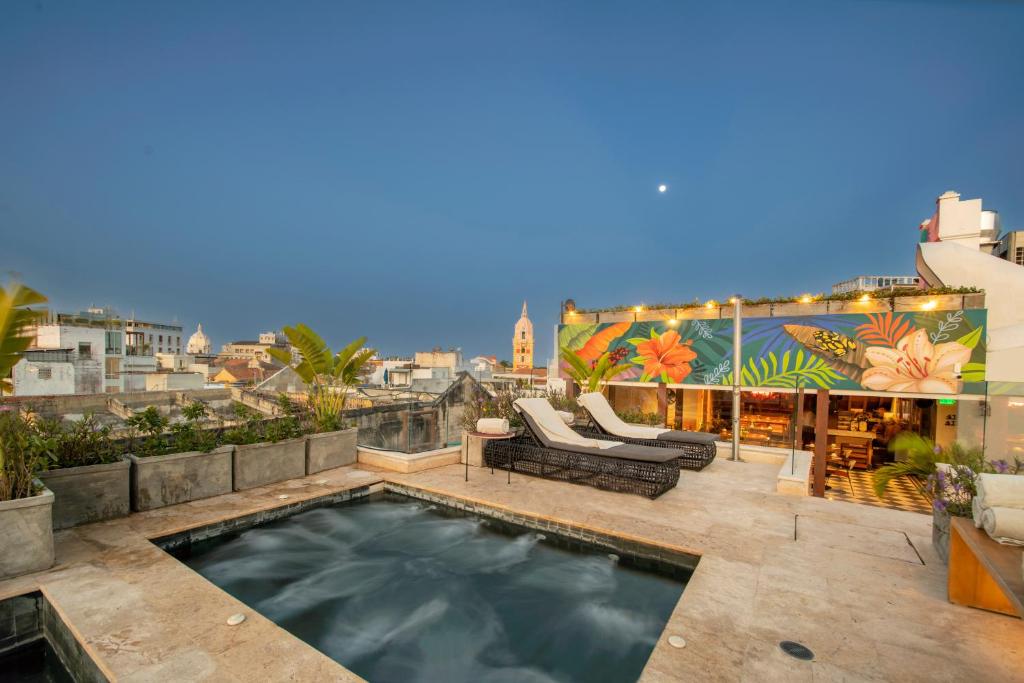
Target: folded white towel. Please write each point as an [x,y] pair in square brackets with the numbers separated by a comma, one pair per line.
[1005,525]
[1001,490]
[492,425]
[567,417]
[977,510]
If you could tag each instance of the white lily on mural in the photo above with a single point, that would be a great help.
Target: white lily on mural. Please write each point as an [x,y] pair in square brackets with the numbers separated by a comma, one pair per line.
[916,364]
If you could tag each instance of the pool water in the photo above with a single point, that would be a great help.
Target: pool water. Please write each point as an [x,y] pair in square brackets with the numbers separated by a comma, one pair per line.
[397,589]
[35,662]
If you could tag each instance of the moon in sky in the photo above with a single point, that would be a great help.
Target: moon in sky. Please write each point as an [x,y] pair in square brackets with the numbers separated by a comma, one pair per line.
[662,188]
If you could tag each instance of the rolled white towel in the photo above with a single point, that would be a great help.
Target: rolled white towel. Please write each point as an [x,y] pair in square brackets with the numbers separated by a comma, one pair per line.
[977,510]
[492,425]
[1005,525]
[1001,490]
[567,417]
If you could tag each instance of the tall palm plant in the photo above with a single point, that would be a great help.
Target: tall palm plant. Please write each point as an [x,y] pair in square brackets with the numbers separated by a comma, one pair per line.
[328,376]
[15,318]
[589,377]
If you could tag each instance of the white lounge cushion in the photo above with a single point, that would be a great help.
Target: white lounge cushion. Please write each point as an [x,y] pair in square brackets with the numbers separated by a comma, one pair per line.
[554,428]
[601,410]
[567,417]
[492,425]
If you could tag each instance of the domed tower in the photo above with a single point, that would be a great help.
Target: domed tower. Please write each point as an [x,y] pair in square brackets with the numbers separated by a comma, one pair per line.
[198,343]
[522,343]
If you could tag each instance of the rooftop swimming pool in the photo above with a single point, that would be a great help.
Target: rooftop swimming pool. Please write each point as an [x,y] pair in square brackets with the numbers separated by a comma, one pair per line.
[398,589]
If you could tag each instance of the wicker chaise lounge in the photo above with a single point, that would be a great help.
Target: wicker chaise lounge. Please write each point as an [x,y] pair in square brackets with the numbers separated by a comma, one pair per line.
[549,448]
[698,448]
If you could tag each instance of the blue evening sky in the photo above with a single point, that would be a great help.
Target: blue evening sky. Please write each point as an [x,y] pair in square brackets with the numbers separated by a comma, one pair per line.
[413,171]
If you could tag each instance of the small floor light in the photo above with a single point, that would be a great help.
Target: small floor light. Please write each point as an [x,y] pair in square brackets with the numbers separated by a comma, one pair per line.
[796,650]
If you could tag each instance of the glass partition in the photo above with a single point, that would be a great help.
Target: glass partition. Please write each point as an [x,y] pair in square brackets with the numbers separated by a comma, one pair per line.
[993,422]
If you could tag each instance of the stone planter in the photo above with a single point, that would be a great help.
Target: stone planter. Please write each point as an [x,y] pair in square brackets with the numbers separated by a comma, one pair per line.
[331,449]
[940,534]
[265,463]
[91,493]
[26,534]
[161,480]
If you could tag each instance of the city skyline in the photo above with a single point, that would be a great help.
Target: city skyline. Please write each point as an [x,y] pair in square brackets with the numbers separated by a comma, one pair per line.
[414,176]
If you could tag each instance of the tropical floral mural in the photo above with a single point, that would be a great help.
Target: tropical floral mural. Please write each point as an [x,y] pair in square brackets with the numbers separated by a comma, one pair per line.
[911,352]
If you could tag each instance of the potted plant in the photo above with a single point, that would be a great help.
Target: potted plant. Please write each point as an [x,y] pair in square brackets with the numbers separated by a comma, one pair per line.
[86,469]
[265,453]
[328,377]
[949,475]
[193,465]
[26,505]
[590,376]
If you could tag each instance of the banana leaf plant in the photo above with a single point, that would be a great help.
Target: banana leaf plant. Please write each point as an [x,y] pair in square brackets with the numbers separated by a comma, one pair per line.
[590,376]
[329,376]
[16,317]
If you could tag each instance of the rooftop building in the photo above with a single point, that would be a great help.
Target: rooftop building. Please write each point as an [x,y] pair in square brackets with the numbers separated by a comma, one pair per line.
[871,283]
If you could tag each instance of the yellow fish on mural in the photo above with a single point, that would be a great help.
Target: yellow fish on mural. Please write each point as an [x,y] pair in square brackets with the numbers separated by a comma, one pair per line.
[838,350]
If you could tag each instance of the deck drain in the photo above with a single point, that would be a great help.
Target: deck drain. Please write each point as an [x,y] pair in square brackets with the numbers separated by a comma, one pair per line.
[796,650]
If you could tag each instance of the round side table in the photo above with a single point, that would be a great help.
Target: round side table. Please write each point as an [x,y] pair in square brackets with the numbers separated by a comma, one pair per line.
[489,437]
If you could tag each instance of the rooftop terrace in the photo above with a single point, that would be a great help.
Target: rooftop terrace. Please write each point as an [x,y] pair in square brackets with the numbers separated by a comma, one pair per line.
[859,586]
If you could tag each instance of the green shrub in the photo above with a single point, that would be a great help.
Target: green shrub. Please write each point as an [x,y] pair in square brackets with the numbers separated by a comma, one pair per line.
[640,417]
[23,458]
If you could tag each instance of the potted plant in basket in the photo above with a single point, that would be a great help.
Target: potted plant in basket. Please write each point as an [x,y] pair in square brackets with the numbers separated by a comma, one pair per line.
[329,377]
[26,506]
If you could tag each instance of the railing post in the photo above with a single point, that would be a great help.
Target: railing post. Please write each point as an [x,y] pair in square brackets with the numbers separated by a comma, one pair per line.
[820,442]
[737,369]
[663,403]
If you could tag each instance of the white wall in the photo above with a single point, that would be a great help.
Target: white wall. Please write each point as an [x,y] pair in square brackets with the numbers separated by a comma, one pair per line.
[953,265]
[173,361]
[173,381]
[28,383]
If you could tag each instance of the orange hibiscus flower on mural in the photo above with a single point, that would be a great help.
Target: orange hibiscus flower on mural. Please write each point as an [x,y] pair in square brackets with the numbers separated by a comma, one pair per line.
[664,356]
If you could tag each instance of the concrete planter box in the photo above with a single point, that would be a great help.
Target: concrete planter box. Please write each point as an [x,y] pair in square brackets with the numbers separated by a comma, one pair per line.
[265,463]
[26,534]
[91,493]
[162,480]
[940,534]
[331,449]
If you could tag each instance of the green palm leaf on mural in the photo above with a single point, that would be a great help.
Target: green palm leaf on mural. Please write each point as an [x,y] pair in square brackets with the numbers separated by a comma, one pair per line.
[790,370]
[575,336]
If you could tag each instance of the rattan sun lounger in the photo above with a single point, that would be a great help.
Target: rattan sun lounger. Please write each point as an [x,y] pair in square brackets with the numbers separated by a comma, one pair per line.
[546,450]
[698,448]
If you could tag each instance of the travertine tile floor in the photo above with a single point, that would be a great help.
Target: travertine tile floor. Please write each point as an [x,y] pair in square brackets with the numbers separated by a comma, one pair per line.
[849,585]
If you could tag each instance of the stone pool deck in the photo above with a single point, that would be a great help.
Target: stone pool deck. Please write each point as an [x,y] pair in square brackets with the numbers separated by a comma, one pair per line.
[860,586]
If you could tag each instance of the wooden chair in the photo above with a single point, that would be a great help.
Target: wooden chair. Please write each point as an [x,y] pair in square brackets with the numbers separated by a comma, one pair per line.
[838,465]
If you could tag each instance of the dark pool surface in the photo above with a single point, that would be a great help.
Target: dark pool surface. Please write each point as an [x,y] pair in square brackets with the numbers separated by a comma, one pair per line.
[397,589]
[33,663]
